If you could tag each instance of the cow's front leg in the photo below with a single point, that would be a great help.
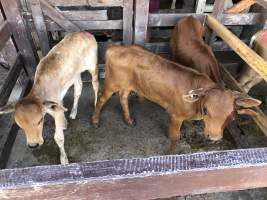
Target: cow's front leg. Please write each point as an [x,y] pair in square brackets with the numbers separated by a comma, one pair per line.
[125,107]
[59,136]
[174,132]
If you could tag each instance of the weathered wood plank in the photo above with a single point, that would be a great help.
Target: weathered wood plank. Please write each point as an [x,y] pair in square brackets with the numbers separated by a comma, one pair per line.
[40,26]
[240,6]
[10,80]
[169,19]
[217,13]
[88,15]
[86,25]
[4,34]
[248,55]
[127,21]
[141,21]
[93,3]
[18,29]
[144,178]
[56,16]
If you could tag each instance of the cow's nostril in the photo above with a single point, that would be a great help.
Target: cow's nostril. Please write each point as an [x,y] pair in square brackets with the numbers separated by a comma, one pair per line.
[33,146]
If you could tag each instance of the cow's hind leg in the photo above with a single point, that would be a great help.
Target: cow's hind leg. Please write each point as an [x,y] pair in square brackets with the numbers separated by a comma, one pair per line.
[77,93]
[59,136]
[125,107]
[174,132]
[100,103]
[95,82]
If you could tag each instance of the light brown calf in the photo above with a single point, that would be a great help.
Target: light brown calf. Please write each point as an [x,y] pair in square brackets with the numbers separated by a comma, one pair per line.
[55,74]
[185,93]
[189,48]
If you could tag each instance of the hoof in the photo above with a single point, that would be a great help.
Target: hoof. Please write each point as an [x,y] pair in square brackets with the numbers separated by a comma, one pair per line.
[95,121]
[64,161]
[73,116]
[130,122]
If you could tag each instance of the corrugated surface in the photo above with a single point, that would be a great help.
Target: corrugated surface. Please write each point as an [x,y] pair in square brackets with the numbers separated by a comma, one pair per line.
[12,178]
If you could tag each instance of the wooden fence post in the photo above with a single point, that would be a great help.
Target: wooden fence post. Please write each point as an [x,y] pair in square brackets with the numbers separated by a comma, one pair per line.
[141,21]
[127,21]
[20,35]
[218,9]
[40,26]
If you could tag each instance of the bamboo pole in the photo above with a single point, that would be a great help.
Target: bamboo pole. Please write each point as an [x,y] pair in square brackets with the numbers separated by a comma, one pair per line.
[240,6]
[249,56]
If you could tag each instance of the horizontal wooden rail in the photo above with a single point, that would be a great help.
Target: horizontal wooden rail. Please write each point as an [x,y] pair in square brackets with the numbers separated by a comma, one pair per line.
[88,25]
[83,15]
[4,34]
[10,80]
[93,3]
[144,178]
[248,55]
[169,19]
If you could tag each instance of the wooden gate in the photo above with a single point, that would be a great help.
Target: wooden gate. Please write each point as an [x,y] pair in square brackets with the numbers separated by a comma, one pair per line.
[70,16]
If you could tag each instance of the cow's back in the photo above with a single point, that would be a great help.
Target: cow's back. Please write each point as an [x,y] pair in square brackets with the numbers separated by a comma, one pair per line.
[58,70]
[189,49]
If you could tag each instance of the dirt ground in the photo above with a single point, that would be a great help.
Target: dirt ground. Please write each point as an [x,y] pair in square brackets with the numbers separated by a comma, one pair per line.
[115,140]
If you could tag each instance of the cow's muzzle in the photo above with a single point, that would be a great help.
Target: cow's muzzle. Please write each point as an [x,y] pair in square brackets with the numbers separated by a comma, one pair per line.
[33,146]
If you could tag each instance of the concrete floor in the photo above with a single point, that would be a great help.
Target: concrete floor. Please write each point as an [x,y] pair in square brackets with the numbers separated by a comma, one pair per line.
[115,140]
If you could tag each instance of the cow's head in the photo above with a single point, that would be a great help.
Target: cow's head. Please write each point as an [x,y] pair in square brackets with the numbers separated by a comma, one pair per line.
[219,106]
[29,115]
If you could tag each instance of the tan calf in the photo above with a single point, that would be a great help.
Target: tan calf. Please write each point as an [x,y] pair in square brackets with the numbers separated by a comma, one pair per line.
[185,93]
[55,74]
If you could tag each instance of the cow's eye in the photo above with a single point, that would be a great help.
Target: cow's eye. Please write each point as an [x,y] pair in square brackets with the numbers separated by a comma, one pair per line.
[205,110]
[40,121]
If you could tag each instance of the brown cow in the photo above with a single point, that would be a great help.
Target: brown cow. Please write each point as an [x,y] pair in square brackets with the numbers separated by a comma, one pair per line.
[55,74]
[189,48]
[185,93]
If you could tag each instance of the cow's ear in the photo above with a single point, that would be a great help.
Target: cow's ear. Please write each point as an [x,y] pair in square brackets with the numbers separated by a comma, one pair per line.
[53,106]
[7,108]
[247,111]
[194,95]
[247,102]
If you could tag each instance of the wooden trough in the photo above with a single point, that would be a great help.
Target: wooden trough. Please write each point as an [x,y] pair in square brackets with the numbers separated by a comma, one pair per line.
[147,178]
